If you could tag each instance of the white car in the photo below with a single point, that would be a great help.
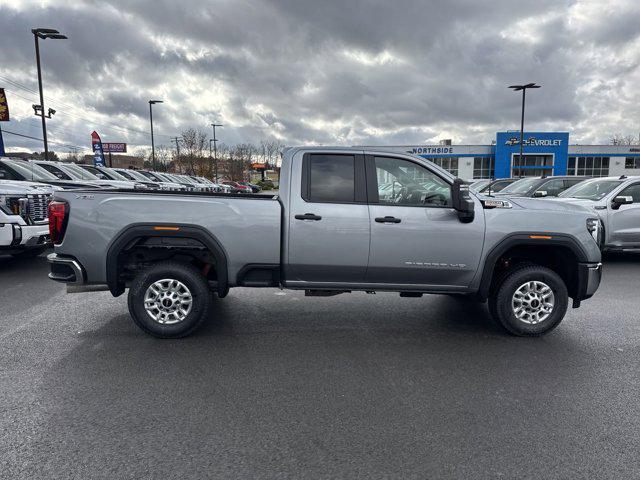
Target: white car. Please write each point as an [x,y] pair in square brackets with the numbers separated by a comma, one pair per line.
[70,171]
[24,222]
[616,200]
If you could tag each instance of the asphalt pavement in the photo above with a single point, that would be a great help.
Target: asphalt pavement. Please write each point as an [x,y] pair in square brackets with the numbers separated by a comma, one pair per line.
[282,386]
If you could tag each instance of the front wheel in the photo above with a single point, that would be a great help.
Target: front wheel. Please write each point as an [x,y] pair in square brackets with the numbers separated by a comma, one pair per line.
[530,301]
[169,299]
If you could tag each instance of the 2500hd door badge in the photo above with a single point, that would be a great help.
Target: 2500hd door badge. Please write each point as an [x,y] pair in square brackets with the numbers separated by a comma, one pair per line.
[436,265]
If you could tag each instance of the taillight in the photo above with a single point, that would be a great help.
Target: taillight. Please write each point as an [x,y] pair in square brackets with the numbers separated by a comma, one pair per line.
[58,215]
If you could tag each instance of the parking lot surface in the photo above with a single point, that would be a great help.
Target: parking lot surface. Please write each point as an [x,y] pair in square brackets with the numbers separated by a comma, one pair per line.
[283,386]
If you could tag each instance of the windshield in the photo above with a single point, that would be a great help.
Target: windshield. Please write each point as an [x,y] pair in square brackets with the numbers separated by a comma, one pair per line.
[479,185]
[31,171]
[78,173]
[149,175]
[521,187]
[96,173]
[112,174]
[131,175]
[591,189]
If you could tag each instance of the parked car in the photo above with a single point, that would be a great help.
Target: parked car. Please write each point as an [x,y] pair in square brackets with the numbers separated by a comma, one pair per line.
[164,184]
[540,187]
[328,233]
[24,222]
[21,170]
[69,171]
[488,186]
[254,188]
[496,186]
[237,187]
[136,176]
[616,201]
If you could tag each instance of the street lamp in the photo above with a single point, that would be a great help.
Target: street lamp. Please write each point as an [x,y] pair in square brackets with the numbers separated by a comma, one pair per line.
[153,148]
[517,88]
[215,150]
[44,33]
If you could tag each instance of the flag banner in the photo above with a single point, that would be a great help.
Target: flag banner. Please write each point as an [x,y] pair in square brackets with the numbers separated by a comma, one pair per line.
[4,107]
[98,154]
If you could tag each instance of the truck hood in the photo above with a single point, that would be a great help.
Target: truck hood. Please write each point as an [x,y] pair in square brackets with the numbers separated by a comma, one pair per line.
[541,204]
[588,204]
[11,187]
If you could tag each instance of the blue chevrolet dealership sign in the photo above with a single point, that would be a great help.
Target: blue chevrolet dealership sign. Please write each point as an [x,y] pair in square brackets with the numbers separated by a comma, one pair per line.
[541,143]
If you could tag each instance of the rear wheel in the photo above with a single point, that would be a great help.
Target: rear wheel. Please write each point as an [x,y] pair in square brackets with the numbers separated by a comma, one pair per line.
[169,300]
[529,301]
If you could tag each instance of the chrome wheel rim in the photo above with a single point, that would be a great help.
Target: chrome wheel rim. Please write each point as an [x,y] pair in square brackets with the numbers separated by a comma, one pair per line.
[533,302]
[168,301]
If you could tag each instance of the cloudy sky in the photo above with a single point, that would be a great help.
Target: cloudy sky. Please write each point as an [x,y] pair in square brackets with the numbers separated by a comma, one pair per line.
[325,72]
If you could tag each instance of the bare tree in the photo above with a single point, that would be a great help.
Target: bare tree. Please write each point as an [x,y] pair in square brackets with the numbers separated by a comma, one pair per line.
[163,157]
[620,139]
[192,151]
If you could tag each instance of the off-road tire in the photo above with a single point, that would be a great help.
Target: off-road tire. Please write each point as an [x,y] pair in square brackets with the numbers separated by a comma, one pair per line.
[500,301]
[191,278]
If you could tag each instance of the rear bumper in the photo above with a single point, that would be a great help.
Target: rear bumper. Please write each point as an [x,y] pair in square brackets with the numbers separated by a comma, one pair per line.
[66,270]
[589,275]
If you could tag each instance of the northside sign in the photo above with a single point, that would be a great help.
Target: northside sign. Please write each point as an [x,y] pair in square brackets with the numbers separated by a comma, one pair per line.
[434,150]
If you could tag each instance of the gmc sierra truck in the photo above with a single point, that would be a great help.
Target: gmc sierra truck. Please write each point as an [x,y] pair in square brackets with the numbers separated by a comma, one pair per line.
[24,226]
[344,220]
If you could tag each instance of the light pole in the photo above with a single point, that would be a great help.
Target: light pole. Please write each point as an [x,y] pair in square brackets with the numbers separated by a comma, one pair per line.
[524,89]
[153,148]
[215,150]
[44,33]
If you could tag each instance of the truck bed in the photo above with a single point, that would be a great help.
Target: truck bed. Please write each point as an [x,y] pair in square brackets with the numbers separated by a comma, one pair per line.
[248,226]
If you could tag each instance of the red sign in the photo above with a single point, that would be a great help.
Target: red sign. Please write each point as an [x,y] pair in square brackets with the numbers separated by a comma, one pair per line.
[258,166]
[114,147]
[4,107]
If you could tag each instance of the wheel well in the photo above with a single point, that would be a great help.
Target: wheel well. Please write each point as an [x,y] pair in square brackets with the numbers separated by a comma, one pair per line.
[560,259]
[142,247]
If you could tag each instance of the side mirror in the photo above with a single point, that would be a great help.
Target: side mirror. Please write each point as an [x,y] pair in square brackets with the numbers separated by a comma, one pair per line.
[621,200]
[3,175]
[462,201]
[540,193]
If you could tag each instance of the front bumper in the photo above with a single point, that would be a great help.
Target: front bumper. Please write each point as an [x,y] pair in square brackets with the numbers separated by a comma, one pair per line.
[18,237]
[589,276]
[66,270]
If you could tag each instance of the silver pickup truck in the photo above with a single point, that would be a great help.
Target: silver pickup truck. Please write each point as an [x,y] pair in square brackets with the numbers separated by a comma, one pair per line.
[344,220]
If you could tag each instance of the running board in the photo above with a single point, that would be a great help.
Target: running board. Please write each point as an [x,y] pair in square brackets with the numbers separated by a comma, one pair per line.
[86,288]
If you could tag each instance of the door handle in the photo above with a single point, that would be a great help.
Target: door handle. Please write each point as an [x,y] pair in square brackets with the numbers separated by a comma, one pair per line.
[388,220]
[308,216]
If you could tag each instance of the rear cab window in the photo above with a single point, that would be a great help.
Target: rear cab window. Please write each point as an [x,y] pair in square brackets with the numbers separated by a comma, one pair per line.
[333,178]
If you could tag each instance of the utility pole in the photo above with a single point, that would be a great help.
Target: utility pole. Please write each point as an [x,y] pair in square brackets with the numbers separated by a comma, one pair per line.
[215,150]
[153,148]
[44,33]
[524,89]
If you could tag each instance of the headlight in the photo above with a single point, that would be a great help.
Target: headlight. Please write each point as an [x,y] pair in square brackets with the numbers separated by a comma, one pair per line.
[595,228]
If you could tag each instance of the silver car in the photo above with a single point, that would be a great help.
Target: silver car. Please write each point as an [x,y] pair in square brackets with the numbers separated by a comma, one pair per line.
[616,200]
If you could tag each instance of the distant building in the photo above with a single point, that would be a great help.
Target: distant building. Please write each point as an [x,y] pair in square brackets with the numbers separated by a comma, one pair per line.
[546,153]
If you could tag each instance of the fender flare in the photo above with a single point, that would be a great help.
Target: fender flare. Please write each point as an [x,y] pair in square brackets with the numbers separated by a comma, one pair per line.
[139,230]
[522,239]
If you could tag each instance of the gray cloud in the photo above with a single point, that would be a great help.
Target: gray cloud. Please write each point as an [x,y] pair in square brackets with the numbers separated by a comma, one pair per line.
[328,72]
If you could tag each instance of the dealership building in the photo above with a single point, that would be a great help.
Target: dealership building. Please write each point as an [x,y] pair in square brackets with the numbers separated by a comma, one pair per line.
[547,153]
